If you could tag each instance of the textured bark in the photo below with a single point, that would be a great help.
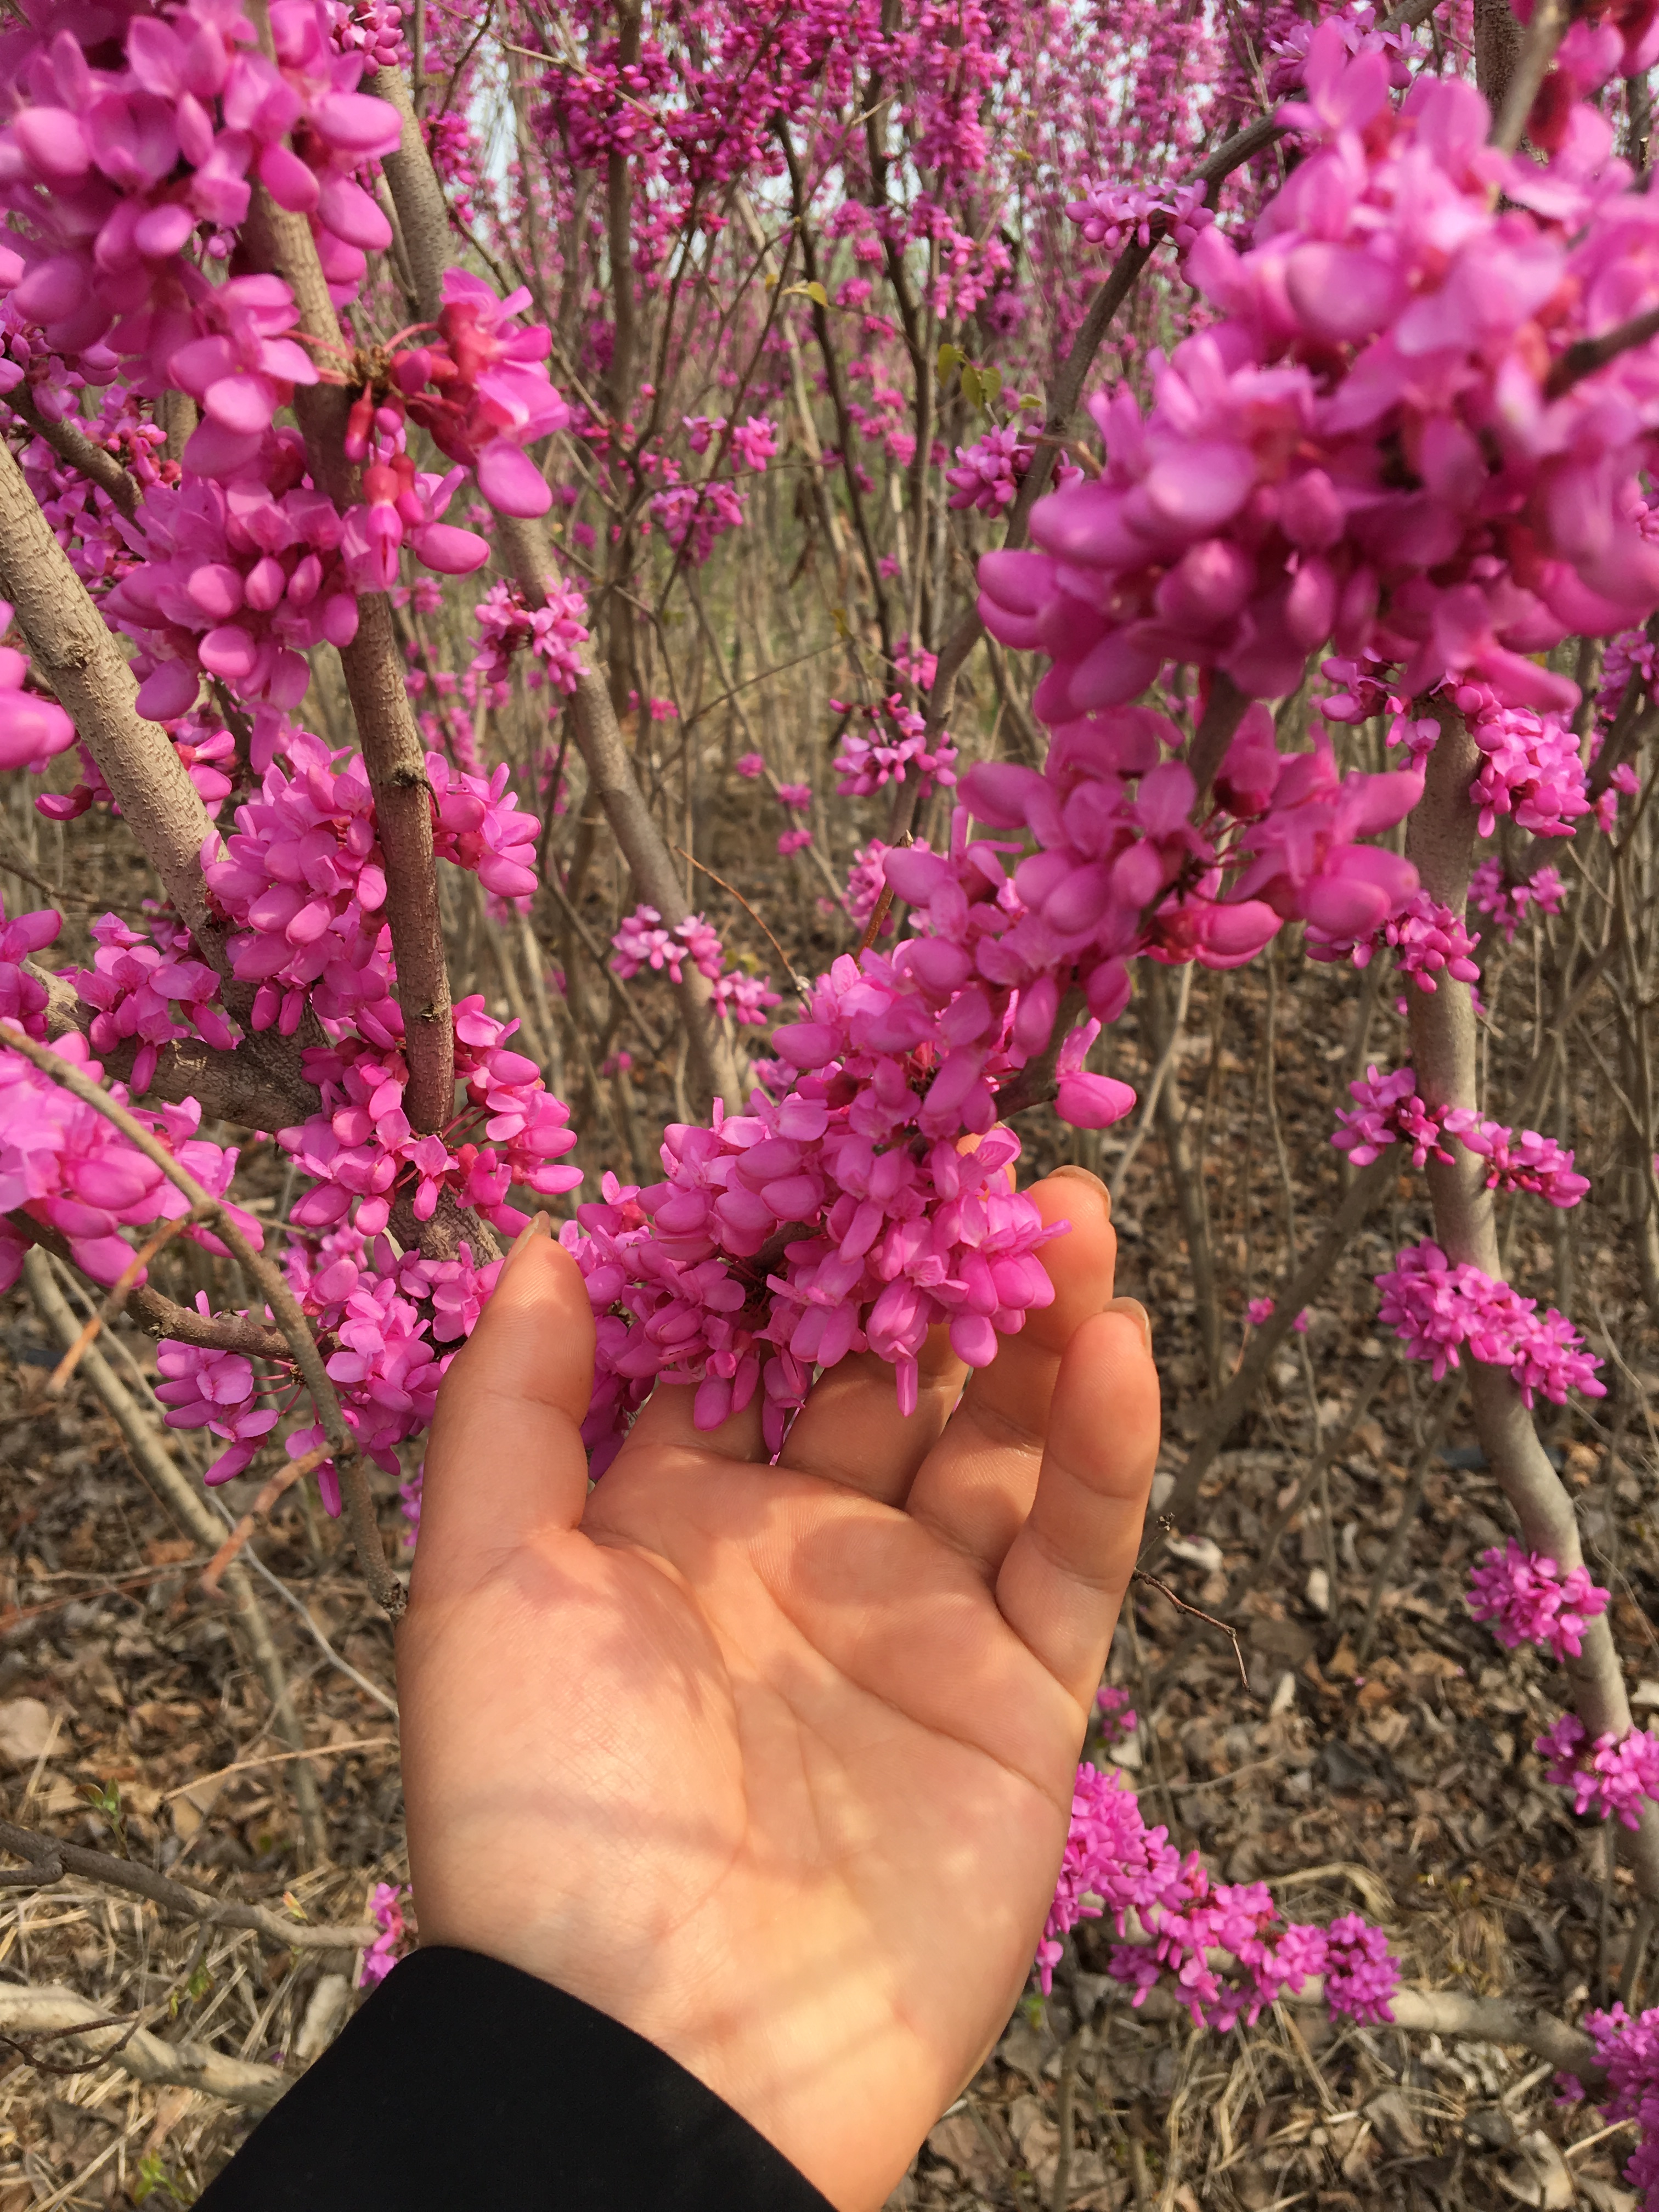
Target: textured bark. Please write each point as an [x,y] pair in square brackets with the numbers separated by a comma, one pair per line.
[75,652]
[376,683]
[142,2055]
[1440,843]
[423,212]
[70,441]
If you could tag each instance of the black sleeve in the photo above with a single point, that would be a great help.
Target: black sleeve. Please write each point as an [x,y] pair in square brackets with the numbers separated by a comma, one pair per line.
[463,2082]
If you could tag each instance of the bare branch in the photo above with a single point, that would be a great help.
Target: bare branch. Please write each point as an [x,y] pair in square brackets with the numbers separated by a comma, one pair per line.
[48,2009]
[51,1859]
[75,652]
[70,441]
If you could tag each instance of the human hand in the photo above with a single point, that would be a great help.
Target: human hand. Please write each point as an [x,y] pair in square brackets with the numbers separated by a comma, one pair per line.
[774,1765]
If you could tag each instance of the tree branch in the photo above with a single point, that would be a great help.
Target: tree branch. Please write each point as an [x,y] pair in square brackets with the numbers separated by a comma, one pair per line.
[51,1861]
[80,659]
[376,683]
[142,2055]
[70,441]
[383,1585]
[1440,843]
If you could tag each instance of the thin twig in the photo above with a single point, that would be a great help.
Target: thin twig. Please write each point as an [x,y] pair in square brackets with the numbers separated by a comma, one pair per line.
[1141,1575]
[285,1478]
[384,1585]
[798,982]
[126,1282]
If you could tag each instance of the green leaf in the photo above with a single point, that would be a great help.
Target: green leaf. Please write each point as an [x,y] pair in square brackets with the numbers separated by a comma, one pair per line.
[991,384]
[950,359]
[973,386]
[816,292]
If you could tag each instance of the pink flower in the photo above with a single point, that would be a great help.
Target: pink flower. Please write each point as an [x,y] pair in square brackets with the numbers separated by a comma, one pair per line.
[1525,1598]
[1435,1309]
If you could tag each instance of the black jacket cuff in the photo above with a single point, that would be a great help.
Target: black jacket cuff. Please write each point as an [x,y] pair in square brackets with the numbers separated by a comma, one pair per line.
[464,2082]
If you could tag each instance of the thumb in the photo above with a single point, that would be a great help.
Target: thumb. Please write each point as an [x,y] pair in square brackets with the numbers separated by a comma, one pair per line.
[505,1457]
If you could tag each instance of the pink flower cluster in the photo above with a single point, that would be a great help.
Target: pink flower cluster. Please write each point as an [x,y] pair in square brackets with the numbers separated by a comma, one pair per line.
[1428,940]
[386,1906]
[130,139]
[1531,766]
[481,389]
[362,1149]
[303,878]
[643,941]
[241,575]
[748,1000]
[1613,1778]
[68,1168]
[1493,892]
[987,473]
[895,745]
[1387,1107]
[388,1325]
[1118,1717]
[848,1180]
[694,516]
[1110,215]
[553,635]
[1435,1309]
[1525,1598]
[1408,289]
[1629,2049]
[150,988]
[1116,1865]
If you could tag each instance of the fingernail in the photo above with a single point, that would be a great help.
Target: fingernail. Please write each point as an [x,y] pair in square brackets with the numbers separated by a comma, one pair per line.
[1138,1312]
[538,1226]
[1083,1175]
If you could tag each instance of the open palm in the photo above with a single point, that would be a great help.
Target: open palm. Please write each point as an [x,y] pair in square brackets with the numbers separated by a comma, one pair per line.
[774,1764]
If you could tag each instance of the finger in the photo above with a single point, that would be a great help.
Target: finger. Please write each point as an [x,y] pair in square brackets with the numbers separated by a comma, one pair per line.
[851,1431]
[975,1487]
[1062,1584]
[667,1422]
[505,1457]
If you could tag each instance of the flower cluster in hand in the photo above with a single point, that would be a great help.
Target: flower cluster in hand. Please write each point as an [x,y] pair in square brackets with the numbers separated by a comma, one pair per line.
[1435,1309]
[1116,1865]
[1614,1777]
[66,1166]
[1525,1598]
[1408,289]
[1387,1107]
[894,747]
[838,1215]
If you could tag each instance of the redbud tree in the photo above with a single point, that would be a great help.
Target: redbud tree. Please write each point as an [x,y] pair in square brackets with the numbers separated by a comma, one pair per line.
[1191,466]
